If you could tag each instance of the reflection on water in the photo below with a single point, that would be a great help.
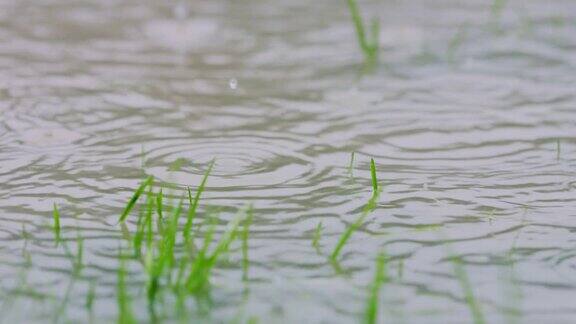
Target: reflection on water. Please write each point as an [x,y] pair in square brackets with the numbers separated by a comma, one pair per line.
[470,118]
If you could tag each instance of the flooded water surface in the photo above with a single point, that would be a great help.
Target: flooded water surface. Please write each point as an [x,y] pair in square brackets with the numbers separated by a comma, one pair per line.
[470,118]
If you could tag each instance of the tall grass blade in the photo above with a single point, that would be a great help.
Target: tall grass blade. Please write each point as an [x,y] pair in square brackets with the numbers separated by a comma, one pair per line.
[125,314]
[473,303]
[370,206]
[317,236]
[134,198]
[368,44]
[373,176]
[56,227]
[245,236]
[380,277]
[90,297]
[194,203]
[351,164]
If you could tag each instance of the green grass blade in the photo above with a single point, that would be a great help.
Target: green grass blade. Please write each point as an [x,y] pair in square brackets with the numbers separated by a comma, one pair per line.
[370,206]
[194,204]
[369,46]
[473,303]
[317,236]
[346,236]
[56,228]
[245,236]
[134,198]
[125,314]
[79,263]
[351,164]
[373,176]
[358,24]
[380,277]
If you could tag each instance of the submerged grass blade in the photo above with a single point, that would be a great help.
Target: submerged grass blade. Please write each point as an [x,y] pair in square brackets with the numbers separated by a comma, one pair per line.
[351,165]
[134,198]
[473,303]
[56,228]
[90,297]
[380,277]
[317,236]
[125,314]
[558,149]
[245,235]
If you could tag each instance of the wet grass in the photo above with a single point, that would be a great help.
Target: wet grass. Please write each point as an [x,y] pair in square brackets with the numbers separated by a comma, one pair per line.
[179,247]
[351,164]
[317,236]
[370,206]
[466,285]
[123,298]
[245,237]
[380,277]
[368,37]
[135,198]
[56,224]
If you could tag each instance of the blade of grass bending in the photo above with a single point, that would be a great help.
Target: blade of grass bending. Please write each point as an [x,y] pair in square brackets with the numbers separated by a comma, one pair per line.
[56,216]
[245,235]
[380,277]
[370,206]
[134,198]
[194,203]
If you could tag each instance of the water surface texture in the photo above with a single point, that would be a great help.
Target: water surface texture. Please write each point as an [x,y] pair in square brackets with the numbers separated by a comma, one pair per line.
[470,117]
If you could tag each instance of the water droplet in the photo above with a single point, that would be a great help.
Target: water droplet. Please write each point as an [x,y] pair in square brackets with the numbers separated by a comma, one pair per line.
[233,83]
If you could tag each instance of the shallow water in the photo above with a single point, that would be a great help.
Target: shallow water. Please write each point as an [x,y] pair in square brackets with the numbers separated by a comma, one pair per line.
[471,120]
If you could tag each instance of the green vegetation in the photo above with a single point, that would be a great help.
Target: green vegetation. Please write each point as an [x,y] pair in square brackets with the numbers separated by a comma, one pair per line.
[380,277]
[125,313]
[56,226]
[135,197]
[368,41]
[464,280]
[317,236]
[370,206]
[245,236]
[351,165]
